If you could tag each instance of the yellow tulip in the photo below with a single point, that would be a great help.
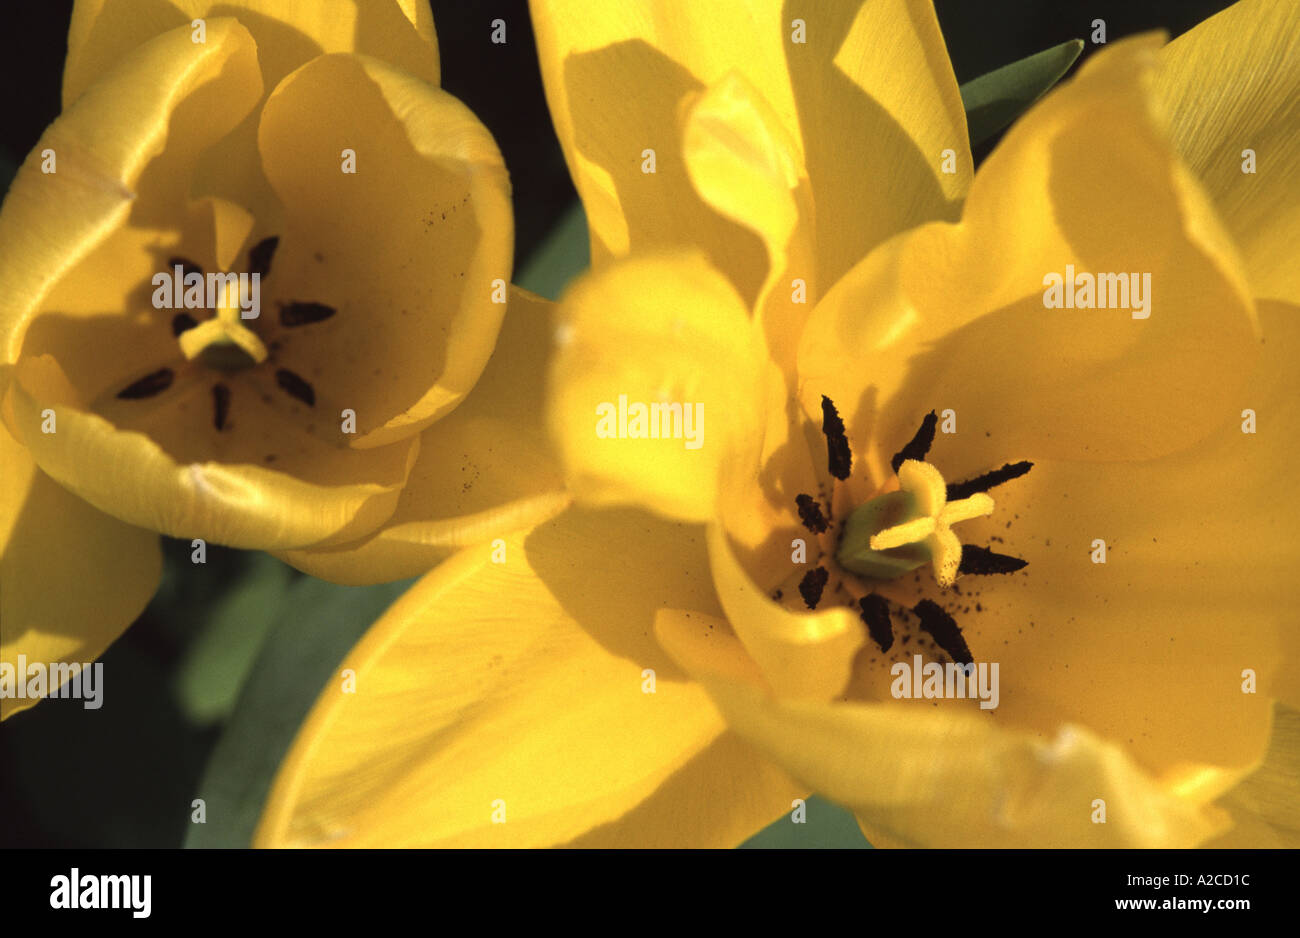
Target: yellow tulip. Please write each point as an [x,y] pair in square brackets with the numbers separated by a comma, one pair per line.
[777,243]
[348,417]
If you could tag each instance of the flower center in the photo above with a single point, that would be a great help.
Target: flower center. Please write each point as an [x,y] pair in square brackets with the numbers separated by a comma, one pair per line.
[224,343]
[897,532]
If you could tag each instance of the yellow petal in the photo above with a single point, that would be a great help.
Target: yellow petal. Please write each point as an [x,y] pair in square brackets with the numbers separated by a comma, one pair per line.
[413,250]
[745,165]
[485,470]
[617,77]
[938,778]
[953,316]
[638,339]
[1232,84]
[71,578]
[869,93]
[719,799]
[1198,585]
[801,655]
[120,151]
[1264,807]
[288,33]
[326,491]
[879,110]
[513,686]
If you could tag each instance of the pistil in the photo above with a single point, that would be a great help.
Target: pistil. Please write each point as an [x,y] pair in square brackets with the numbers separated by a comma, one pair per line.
[898,532]
[223,342]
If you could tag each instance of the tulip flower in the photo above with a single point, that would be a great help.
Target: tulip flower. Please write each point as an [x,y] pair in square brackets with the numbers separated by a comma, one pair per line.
[331,400]
[907,452]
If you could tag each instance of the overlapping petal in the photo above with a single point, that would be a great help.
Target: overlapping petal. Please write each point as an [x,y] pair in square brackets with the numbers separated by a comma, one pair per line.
[801,655]
[515,686]
[118,150]
[745,165]
[925,777]
[327,494]
[1155,647]
[1087,180]
[484,471]
[71,578]
[866,90]
[1232,84]
[657,332]
[1264,809]
[288,33]
[409,250]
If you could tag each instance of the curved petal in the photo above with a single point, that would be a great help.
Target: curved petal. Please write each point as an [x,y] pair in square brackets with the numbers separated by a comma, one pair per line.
[801,655]
[413,250]
[879,111]
[940,778]
[119,151]
[513,686]
[288,33]
[1264,807]
[865,88]
[617,77]
[719,799]
[641,341]
[326,493]
[1151,648]
[744,164]
[485,470]
[954,316]
[71,578]
[1231,84]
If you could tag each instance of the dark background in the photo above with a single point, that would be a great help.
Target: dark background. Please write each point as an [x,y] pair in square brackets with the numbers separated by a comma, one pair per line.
[114,778]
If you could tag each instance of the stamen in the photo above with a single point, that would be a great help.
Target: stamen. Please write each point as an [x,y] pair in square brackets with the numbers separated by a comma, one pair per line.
[943,629]
[260,254]
[988,480]
[220,405]
[304,314]
[812,584]
[186,265]
[838,456]
[148,386]
[920,444]
[183,322]
[296,386]
[981,560]
[875,613]
[810,513]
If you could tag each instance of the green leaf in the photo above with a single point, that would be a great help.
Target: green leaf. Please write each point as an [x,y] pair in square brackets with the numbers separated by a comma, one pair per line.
[218,660]
[317,626]
[825,826]
[997,98]
[565,253]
